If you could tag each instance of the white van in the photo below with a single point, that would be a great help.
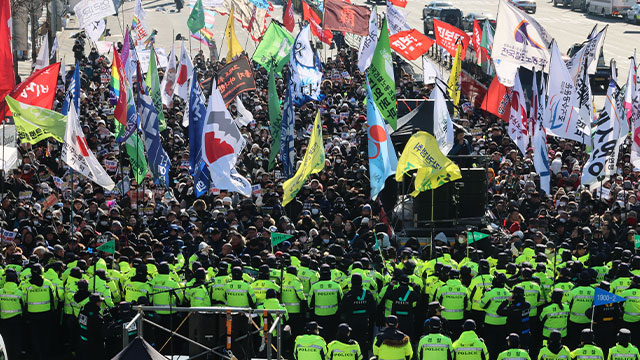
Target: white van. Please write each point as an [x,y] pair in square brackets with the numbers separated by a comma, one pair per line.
[609,7]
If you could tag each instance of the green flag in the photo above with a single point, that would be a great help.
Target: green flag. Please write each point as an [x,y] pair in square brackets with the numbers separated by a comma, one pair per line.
[108,247]
[196,19]
[381,80]
[153,84]
[636,239]
[475,236]
[274,48]
[135,150]
[277,238]
[34,124]
[275,121]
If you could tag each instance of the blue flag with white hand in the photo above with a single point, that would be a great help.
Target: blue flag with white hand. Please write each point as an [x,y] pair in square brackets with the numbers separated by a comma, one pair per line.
[603,297]
[73,92]
[159,161]
[287,153]
[383,160]
[197,116]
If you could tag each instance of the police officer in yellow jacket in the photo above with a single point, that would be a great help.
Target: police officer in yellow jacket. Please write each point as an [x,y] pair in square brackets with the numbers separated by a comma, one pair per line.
[39,299]
[631,315]
[469,346]
[513,352]
[554,349]
[587,351]
[11,314]
[624,350]
[324,298]
[435,345]
[391,343]
[310,346]
[343,347]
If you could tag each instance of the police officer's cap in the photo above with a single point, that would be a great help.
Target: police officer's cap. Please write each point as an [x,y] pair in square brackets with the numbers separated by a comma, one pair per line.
[36,269]
[343,329]
[83,284]
[527,273]
[95,298]
[313,326]
[292,270]
[555,336]
[325,269]
[500,278]
[624,334]
[404,279]
[163,268]
[585,276]
[201,274]
[518,291]
[391,320]
[586,336]
[236,271]
[604,285]
[434,323]
[271,294]
[434,305]
[468,325]
[264,269]
[513,339]
[484,264]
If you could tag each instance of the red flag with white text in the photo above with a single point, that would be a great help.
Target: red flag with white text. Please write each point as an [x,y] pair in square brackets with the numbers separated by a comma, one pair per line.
[39,89]
[288,20]
[309,14]
[411,43]
[497,101]
[399,3]
[447,36]
[326,36]
[7,79]
[476,39]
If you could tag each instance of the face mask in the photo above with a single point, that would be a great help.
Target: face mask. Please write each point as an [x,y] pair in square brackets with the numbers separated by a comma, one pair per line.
[561,203]
[315,211]
[326,241]
[104,222]
[194,219]
[36,222]
[534,229]
[338,160]
[460,239]
[303,239]
[234,226]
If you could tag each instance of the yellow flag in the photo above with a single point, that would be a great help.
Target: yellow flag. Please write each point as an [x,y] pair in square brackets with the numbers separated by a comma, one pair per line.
[313,162]
[232,42]
[434,168]
[454,79]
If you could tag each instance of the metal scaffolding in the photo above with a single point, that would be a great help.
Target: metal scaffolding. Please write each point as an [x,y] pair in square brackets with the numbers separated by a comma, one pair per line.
[223,350]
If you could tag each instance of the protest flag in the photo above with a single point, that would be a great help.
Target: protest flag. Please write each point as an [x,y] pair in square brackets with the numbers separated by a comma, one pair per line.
[278,238]
[383,160]
[381,78]
[196,18]
[34,124]
[603,297]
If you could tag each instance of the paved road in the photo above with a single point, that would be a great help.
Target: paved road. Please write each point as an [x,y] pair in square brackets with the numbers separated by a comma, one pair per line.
[566,26]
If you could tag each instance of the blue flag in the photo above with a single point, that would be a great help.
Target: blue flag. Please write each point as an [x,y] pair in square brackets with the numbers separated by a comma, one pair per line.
[287,153]
[602,297]
[383,160]
[159,161]
[73,92]
[306,70]
[197,115]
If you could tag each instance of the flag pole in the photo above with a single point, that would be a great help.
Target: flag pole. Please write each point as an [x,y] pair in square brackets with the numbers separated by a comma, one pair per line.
[433,225]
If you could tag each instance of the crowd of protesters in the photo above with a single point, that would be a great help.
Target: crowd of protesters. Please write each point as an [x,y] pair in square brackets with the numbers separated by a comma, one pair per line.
[529,286]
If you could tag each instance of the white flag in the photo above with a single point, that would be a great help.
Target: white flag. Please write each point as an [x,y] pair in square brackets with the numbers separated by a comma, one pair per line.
[442,125]
[54,48]
[95,30]
[185,71]
[518,117]
[561,117]
[541,158]
[584,98]
[396,20]
[431,71]
[42,60]
[63,72]
[519,41]
[611,164]
[368,43]
[168,80]
[8,148]
[244,117]
[89,11]
[139,32]
[604,142]
[76,153]
[222,144]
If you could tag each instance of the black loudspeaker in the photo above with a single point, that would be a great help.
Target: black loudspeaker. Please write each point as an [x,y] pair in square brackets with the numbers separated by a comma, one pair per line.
[470,193]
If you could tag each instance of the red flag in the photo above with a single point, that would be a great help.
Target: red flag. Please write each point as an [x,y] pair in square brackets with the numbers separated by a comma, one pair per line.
[7,79]
[342,16]
[39,89]
[288,20]
[309,14]
[447,36]
[472,89]
[400,3]
[326,36]
[498,100]
[477,38]
[410,43]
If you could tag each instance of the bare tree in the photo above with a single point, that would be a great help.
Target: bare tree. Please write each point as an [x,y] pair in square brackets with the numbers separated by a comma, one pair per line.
[34,9]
